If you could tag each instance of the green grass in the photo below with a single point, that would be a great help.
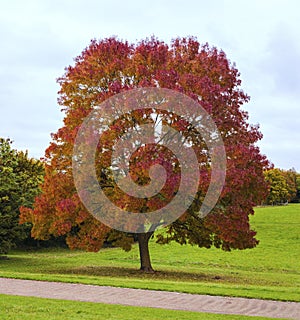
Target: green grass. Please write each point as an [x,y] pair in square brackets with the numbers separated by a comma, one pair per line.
[15,307]
[269,271]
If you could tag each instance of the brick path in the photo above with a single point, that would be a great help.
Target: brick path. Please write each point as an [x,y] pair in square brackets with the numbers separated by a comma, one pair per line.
[150,298]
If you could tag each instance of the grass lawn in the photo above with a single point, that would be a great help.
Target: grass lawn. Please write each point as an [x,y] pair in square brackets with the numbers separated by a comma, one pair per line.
[14,307]
[270,271]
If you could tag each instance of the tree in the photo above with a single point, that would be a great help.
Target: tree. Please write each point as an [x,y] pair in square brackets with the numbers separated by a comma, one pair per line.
[278,191]
[20,177]
[291,183]
[108,67]
[297,199]
[282,185]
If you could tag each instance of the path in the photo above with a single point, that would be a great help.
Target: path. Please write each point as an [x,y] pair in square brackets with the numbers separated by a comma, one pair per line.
[151,298]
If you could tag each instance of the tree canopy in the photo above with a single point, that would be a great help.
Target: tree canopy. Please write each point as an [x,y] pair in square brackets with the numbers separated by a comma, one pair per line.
[20,177]
[108,67]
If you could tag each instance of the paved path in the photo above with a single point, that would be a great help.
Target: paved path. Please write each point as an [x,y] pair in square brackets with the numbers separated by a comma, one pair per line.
[151,298]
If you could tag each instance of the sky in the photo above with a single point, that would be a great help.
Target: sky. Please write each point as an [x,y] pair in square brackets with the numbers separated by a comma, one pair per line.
[40,38]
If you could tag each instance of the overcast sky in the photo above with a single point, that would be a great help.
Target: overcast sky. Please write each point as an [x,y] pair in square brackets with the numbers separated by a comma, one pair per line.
[40,38]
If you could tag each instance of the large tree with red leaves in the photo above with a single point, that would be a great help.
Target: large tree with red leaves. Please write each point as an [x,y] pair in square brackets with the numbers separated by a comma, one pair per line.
[108,67]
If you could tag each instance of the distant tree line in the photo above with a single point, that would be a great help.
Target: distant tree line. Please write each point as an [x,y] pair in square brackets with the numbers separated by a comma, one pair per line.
[284,186]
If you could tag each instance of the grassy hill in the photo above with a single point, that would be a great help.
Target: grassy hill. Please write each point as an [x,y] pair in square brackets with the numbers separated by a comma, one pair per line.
[269,271]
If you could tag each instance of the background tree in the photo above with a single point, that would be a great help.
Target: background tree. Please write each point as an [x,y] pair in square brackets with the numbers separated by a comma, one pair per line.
[297,199]
[20,178]
[291,183]
[278,191]
[282,185]
[110,66]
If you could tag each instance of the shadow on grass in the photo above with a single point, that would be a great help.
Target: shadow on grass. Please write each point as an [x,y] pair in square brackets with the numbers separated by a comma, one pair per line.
[123,272]
[34,265]
[28,266]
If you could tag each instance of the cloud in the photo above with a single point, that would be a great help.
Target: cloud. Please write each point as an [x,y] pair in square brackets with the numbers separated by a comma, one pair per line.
[282,61]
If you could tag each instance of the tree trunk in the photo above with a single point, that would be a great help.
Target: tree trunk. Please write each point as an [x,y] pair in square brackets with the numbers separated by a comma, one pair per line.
[143,240]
